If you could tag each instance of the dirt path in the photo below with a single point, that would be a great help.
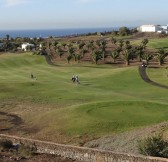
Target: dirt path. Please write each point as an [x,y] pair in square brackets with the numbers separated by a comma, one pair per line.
[48,59]
[144,76]
[14,120]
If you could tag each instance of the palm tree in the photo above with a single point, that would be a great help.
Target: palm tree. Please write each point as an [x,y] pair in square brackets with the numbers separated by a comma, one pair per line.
[121,43]
[71,54]
[104,54]
[55,43]
[59,52]
[96,56]
[102,46]
[6,45]
[71,50]
[98,43]
[114,55]
[118,49]
[83,52]
[69,58]
[49,45]
[70,45]
[103,43]
[127,42]
[139,52]
[64,45]
[81,45]
[144,43]
[128,46]
[147,57]
[114,40]
[161,54]
[90,45]
[78,57]
[128,55]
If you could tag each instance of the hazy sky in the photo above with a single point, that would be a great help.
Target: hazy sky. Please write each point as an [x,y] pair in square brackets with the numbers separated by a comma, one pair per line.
[41,14]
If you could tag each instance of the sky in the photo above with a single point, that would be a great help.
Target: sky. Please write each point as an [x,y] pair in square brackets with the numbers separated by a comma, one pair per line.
[58,14]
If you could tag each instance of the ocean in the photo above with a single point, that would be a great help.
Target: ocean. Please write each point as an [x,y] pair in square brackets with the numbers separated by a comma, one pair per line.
[52,32]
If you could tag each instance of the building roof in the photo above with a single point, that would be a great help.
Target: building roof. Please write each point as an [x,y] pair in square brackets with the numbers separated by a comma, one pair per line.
[149,25]
[28,44]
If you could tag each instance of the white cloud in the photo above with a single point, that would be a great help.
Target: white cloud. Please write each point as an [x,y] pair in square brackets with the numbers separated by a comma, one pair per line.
[14,2]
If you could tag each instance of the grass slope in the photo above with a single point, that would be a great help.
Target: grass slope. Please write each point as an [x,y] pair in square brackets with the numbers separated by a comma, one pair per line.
[154,43]
[108,100]
[159,75]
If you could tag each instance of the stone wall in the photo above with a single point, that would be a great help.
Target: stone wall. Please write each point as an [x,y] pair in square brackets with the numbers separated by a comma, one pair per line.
[81,153]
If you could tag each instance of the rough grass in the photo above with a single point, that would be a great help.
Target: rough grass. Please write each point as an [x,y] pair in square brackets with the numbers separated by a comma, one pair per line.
[108,100]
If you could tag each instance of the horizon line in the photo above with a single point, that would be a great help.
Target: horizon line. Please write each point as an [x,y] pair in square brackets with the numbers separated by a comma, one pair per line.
[70,28]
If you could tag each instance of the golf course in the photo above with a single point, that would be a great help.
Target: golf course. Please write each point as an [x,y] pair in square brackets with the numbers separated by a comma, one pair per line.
[108,100]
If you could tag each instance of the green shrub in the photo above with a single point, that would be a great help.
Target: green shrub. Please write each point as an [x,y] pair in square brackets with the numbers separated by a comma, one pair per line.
[27,150]
[34,53]
[154,146]
[5,145]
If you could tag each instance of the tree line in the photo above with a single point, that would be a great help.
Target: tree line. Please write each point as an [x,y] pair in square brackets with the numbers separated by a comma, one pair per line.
[9,44]
[99,50]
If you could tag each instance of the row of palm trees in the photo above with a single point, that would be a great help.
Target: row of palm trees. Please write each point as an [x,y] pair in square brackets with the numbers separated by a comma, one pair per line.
[99,50]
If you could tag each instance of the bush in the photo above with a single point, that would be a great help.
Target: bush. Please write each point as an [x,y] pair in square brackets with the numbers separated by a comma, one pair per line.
[34,53]
[27,150]
[154,146]
[5,145]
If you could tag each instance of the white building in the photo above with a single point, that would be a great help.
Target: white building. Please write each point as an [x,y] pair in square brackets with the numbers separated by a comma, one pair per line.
[40,46]
[154,28]
[27,46]
[150,28]
[165,27]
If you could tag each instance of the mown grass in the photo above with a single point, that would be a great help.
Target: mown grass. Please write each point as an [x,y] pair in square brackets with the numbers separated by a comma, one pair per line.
[108,100]
[159,75]
[154,43]
[109,117]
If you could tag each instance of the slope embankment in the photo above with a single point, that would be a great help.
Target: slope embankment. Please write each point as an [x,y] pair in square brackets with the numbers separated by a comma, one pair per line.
[81,153]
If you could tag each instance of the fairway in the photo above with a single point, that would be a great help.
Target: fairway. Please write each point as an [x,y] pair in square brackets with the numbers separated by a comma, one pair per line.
[154,43]
[108,100]
[159,75]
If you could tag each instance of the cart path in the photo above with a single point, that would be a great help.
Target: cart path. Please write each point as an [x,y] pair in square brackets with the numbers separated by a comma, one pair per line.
[48,59]
[144,76]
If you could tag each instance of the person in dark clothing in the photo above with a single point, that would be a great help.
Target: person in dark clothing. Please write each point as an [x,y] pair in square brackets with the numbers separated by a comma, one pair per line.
[77,79]
[73,78]
[32,77]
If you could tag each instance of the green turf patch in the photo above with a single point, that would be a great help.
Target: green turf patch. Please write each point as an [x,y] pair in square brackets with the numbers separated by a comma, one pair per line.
[159,75]
[107,100]
[107,117]
[154,43]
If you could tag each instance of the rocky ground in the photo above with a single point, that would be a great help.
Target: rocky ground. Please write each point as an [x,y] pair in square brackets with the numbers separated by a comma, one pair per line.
[124,142]
[127,142]
[9,157]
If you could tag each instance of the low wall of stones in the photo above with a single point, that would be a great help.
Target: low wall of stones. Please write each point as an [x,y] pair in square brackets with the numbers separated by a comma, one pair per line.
[81,153]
